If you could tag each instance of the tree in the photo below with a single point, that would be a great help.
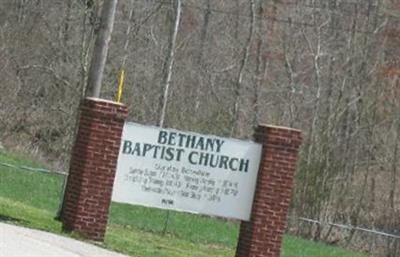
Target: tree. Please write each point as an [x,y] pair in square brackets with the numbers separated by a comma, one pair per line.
[169,62]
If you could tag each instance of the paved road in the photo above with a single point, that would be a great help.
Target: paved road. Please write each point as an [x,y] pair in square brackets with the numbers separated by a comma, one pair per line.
[23,242]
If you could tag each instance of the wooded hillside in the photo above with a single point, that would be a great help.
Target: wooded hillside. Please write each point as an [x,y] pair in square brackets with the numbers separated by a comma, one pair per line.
[328,67]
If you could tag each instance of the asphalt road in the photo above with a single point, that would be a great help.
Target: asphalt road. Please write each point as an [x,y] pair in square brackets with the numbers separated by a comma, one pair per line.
[23,242]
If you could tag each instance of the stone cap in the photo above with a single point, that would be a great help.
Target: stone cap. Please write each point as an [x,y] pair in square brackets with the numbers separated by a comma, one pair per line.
[95,99]
[278,127]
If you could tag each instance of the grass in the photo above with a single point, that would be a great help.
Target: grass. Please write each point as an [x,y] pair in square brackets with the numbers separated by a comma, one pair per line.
[32,188]
[148,244]
[31,199]
[28,216]
[297,247]
[198,229]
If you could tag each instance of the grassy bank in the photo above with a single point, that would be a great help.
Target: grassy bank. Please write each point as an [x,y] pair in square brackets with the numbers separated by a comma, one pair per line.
[31,199]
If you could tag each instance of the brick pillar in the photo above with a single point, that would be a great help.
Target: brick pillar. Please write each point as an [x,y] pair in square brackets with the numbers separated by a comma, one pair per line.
[92,168]
[262,235]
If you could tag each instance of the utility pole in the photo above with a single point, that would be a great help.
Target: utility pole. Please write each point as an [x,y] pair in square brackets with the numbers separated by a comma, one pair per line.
[97,65]
[100,50]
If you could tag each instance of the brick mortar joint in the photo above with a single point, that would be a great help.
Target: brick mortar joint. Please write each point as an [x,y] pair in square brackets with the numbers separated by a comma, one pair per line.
[115,116]
[104,107]
[109,108]
[280,135]
[280,145]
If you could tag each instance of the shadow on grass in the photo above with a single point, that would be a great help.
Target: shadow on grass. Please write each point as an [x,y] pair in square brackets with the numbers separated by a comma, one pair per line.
[8,219]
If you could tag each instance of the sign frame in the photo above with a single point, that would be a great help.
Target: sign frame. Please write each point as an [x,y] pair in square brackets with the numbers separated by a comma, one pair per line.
[186,171]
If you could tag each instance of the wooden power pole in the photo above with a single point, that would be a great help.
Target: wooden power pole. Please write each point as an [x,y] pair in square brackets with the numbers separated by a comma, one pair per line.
[100,50]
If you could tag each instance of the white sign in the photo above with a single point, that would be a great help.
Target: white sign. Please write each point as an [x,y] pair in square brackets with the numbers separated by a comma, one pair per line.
[185,171]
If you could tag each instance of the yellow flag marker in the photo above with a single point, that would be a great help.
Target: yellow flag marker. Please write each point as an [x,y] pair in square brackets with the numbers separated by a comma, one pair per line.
[120,86]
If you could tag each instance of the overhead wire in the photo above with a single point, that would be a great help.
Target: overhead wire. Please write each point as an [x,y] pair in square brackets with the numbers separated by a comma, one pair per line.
[288,21]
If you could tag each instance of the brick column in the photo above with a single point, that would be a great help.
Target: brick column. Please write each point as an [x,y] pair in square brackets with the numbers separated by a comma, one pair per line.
[262,235]
[92,168]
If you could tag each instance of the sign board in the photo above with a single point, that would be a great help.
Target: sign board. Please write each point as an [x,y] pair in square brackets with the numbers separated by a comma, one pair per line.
[186,171]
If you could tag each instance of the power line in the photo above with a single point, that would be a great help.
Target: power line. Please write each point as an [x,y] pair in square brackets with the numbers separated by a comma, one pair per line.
[288,21]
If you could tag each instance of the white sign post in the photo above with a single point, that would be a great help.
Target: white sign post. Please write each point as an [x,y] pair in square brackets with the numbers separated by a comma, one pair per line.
[186,171]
